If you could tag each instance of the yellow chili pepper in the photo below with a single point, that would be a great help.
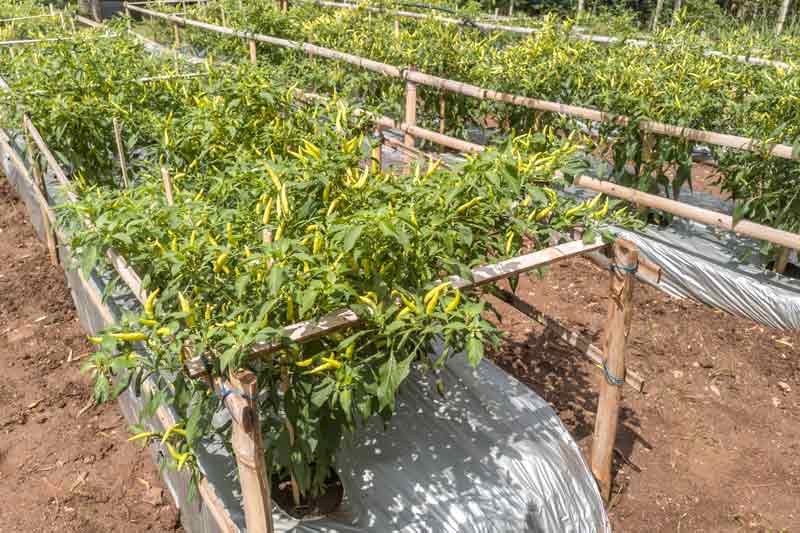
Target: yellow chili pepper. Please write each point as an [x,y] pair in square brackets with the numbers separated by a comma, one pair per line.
[267,212]
[289,308]
[163,332]
[274,177]
[463,207]
[453,303]
[431,293]
[186,307]
[150,302]
[332,207]
[143,435]
[279,233]
[284,201]
[305,362]
[148,322]
[130,336]
[509,241]
[95,340]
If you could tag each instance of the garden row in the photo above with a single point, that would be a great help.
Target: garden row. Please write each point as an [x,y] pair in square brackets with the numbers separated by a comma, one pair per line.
[676,86]
[244,210]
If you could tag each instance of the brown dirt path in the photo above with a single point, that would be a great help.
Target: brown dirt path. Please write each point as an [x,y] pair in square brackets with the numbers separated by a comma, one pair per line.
[714,442]
[59,471]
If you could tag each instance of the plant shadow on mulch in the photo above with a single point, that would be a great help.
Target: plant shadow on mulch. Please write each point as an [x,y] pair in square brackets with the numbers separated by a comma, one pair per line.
[566,379]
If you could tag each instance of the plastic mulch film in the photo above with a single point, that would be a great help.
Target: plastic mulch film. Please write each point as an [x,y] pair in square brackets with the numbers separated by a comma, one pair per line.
[489,456]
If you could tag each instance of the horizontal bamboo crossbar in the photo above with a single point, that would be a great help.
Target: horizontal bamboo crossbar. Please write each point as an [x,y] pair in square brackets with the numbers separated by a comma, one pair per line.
[309,330]
[670,130]
[578,34]
[20,42]
[698,214]
[29,17]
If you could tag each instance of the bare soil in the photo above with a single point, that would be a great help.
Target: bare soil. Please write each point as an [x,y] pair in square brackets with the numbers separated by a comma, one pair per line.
[64,466]
[713,444]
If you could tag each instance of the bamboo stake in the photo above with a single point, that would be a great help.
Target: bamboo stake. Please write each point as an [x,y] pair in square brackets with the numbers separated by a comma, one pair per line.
[441,112]
[618,325]
[396,29]
[581,7]
[377,154]
[177,36]
[657,14]
[782,16]
[248,447]
[410,109]
[253,57]
[782,261]
[167,185]
[123,164]
[47,229]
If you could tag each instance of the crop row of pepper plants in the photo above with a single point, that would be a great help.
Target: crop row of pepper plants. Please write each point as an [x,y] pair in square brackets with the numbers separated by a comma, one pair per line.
[671,84]
[32,28]
[246,158]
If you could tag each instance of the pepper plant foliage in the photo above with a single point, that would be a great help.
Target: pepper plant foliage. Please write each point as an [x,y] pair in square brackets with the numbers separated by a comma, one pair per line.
[672,82]
[248,160]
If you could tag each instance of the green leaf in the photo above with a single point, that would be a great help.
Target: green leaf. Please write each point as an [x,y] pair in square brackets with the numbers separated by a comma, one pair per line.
[391,375]
[474,350]
[351,238]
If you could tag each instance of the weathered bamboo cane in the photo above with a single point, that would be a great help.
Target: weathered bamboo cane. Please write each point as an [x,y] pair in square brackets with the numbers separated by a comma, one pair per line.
[123,164]
[618,325]
[248,447]
[167,185]
[411,109]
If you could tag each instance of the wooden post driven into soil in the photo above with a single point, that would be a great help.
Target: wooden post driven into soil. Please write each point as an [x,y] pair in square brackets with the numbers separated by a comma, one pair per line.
[47,229]
[411,109]
[253,56]
[625,260]
[123,163]
[248,446]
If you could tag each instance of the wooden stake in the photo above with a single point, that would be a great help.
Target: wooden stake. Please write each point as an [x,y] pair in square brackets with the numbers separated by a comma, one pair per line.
[47,229]
[167,185]
[123,164]
[782,261]
[782,16]
[411,109]
[253,57]
[441,112]
[618,325]
[377,154]
[657,14]
[248,446]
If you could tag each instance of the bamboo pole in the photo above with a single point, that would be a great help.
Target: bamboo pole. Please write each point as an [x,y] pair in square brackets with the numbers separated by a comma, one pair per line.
[410,109]
[248,447]
[310,330]
[177,36]
[123,164]
[698,214]
[49,231]
[253,56]
[782,261]
[396,29]
[167,185]
[782,16]
[618,325]
[657,14]
[581,7]
[441,112]
[27,17]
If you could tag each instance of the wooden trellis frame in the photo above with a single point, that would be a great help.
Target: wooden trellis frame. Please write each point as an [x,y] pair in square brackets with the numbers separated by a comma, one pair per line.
[247,443]
[257,501]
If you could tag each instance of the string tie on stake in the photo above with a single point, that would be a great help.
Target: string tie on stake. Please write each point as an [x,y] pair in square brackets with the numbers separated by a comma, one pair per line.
[225,391]
[611,378]
[624,269]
